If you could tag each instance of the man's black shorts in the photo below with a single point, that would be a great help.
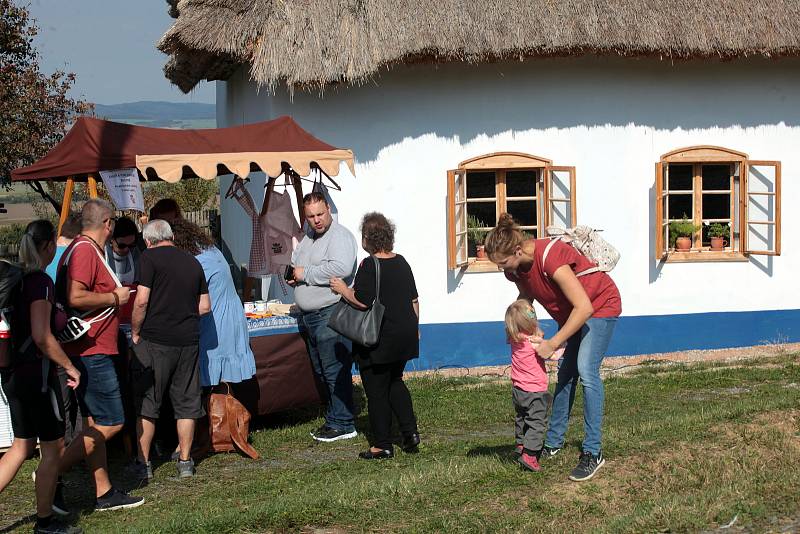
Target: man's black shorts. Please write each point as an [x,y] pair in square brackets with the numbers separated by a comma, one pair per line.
[157,369]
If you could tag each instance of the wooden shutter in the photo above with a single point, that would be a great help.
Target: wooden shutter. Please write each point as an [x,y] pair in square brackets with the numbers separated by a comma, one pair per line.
[761,220]
[559,197]
[662,215]
[456,219]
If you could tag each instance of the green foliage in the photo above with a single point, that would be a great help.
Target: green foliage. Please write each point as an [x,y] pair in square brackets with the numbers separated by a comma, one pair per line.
[719,230]
[35,109]
[11,234]
[191,195]
[682,228]
[476,236]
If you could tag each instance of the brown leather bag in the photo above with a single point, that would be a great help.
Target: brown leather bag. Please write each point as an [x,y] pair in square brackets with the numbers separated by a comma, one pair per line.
[229,424]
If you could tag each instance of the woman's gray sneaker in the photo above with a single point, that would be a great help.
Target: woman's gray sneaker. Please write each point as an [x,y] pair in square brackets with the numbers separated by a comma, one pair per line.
[587,466]
[185,468]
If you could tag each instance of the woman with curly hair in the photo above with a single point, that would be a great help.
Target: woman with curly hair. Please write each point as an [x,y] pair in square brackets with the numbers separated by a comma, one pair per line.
[382,366]
[225,354]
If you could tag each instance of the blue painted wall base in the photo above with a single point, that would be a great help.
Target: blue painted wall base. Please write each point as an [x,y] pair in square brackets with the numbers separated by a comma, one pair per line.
[476,344]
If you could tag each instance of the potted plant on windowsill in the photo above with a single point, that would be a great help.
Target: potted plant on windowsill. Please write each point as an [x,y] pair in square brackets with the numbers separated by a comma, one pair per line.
[476,236]
[720,235]
[680,234]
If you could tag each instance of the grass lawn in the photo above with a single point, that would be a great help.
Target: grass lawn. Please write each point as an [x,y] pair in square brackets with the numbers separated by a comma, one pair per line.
[688,449]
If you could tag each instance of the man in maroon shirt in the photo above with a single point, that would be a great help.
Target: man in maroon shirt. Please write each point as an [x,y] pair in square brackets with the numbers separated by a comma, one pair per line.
[88,287]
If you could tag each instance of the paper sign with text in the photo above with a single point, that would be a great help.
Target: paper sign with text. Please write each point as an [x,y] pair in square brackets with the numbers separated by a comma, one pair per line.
[124,188]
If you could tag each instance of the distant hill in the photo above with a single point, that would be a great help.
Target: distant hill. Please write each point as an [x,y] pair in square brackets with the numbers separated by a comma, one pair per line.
[160,114]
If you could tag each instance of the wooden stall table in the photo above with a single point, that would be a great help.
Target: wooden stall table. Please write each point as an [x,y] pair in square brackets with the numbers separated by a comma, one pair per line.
[284,377]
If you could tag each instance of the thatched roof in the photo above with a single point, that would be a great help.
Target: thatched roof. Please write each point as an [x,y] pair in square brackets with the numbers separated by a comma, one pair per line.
[317,42]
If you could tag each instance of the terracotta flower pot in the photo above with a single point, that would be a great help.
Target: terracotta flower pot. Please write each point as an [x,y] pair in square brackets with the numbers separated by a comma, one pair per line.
[683,244]
[718,243]
[480,253]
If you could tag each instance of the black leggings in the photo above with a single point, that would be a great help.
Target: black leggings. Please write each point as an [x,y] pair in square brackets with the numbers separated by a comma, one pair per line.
[387,394]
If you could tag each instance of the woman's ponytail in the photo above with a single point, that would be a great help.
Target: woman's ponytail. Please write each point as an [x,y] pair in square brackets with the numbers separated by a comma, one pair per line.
[37,235]
[505,237]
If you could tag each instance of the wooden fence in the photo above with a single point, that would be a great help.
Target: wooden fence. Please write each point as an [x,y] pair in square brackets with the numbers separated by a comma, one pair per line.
[208,220]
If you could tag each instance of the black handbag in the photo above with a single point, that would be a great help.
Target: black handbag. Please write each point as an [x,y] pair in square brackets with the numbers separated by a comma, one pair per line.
[361,326]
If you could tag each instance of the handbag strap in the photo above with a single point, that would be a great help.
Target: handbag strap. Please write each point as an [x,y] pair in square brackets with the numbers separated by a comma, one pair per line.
[377,279]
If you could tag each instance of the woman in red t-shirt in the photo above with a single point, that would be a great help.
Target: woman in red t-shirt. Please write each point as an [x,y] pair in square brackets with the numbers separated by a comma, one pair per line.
[586,310]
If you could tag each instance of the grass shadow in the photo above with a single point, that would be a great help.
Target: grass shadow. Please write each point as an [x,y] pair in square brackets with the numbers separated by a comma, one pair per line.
[19,523]
[504,453]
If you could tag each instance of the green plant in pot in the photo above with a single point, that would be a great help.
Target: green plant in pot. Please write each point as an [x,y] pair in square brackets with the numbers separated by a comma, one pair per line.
[680,234]
[476,236]
[720,235]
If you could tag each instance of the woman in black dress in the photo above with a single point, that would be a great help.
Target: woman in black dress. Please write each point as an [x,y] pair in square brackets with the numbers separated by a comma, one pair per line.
[382,366]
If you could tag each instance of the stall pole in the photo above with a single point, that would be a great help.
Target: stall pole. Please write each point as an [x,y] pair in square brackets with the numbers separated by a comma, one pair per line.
[66,203]
[92,186]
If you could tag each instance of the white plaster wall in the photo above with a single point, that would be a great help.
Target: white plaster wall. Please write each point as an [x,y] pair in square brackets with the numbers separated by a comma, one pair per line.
[611,118]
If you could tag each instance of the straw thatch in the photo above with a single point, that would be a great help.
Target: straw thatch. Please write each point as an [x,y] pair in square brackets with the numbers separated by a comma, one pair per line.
[317,42]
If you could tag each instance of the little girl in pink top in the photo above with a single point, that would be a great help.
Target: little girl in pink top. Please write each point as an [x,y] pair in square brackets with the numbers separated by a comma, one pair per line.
[529,378]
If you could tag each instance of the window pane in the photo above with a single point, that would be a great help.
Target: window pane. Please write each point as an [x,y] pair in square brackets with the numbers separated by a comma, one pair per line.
[521,183]
[716,177]
[716,206]
[484,212]
[480,185]
[680,205]
[523,211]
[680,177]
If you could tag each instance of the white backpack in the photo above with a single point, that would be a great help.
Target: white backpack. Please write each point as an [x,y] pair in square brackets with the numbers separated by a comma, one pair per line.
[588,242]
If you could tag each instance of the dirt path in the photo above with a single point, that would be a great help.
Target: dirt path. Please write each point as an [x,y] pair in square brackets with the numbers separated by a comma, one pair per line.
[622,364]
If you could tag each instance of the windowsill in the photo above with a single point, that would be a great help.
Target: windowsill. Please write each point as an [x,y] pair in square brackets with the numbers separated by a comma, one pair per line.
[708,256]
[481,266]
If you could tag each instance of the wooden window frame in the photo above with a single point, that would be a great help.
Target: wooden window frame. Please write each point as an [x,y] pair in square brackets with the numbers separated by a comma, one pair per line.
[697,156]
[500,163]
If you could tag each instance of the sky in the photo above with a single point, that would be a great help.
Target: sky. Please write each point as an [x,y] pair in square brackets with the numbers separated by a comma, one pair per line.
[111,46]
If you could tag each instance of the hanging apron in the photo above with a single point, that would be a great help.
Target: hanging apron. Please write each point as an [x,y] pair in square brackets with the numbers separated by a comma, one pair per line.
[257,264]
[281,229]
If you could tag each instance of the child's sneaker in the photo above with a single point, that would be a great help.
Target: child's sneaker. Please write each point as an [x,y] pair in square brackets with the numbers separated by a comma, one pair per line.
[548,452]
[529,461]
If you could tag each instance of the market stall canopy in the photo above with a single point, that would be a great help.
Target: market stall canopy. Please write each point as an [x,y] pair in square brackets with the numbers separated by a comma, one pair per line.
[94,145]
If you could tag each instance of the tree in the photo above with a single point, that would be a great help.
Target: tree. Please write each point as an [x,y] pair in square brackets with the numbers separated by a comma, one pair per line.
[35,109]
[191,195]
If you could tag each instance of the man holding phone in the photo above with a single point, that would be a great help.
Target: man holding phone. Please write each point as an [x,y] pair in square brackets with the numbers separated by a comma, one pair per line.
[328,252]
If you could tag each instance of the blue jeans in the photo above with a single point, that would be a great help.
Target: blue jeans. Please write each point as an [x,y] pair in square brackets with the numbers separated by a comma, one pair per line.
[585,352]
[98,392]
[332,363]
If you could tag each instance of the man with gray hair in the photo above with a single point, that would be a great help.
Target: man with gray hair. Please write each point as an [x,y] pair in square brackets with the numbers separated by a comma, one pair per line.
[86,286]
[165,326]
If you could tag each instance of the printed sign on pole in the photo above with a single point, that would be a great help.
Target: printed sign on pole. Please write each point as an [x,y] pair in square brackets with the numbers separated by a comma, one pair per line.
[124,188]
